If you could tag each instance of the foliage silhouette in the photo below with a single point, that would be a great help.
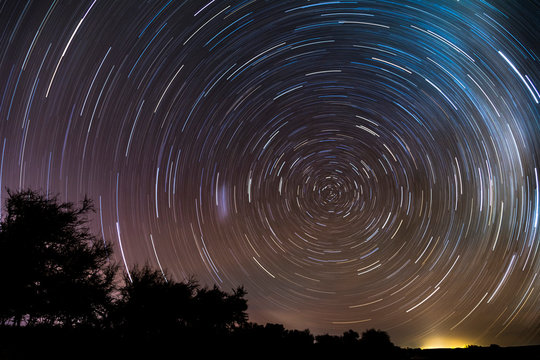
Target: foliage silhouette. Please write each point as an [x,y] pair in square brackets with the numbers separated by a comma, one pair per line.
[350,337]
[328,341]
[53,270]
[273,335]
[60,293]
[57,275]
[219,311]
[150,305]
[153,305]
[376,339]
[375,344]
[298,338]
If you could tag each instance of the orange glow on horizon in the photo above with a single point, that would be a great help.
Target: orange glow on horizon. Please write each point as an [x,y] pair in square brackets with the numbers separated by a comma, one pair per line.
[444,342]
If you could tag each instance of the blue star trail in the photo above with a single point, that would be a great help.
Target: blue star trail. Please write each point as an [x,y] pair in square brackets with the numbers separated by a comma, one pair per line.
[353,164]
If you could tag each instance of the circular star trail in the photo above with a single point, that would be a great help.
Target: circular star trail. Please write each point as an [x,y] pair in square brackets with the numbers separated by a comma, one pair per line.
[353,164]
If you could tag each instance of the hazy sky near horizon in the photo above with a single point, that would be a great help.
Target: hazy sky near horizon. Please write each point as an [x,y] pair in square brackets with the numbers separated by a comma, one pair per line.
[353,164]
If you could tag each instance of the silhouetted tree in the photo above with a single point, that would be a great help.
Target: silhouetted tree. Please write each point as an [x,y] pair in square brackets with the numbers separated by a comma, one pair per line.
[274,333]
[377,344]
[297,338]
[52,269]
[217,310]
[151,305]
[327,340]
[376,339]
[350,337]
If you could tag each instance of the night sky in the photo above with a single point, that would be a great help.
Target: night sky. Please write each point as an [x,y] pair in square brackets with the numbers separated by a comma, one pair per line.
[353,164]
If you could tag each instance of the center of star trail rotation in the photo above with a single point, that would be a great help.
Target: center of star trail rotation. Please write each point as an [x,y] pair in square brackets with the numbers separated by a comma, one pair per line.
[353,164]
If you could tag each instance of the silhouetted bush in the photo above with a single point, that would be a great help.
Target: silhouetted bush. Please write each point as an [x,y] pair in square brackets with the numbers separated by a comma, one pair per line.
[218,310]
[58,283]
[327,340]
[350,338]
[302,339]
[376,339]
[150,305]
[53,271]
[375,344]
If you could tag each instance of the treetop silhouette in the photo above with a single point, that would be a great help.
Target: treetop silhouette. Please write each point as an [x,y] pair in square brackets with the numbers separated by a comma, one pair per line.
[53,270]
[55,275]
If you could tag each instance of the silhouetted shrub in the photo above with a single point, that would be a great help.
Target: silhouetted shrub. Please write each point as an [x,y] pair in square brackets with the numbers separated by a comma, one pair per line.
[53,271]
[153,305]
[56,274]
[327,340]
[217,310]
[350,337]
[150,305]
[299,338]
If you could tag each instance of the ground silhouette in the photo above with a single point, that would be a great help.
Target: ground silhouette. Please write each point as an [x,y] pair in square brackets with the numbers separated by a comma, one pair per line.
[62,297]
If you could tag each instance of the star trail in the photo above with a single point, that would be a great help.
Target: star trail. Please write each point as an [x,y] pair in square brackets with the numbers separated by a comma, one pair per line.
[353,164]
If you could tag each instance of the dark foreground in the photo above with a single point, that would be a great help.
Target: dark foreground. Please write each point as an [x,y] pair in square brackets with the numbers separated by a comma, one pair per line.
[511,353]
[55,343]
[61,298]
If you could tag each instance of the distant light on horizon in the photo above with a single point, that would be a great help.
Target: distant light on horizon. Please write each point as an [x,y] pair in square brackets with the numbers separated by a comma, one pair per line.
[445,342]
[352,164]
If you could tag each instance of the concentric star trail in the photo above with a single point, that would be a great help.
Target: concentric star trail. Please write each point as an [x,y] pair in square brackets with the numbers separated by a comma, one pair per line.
[353,164]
